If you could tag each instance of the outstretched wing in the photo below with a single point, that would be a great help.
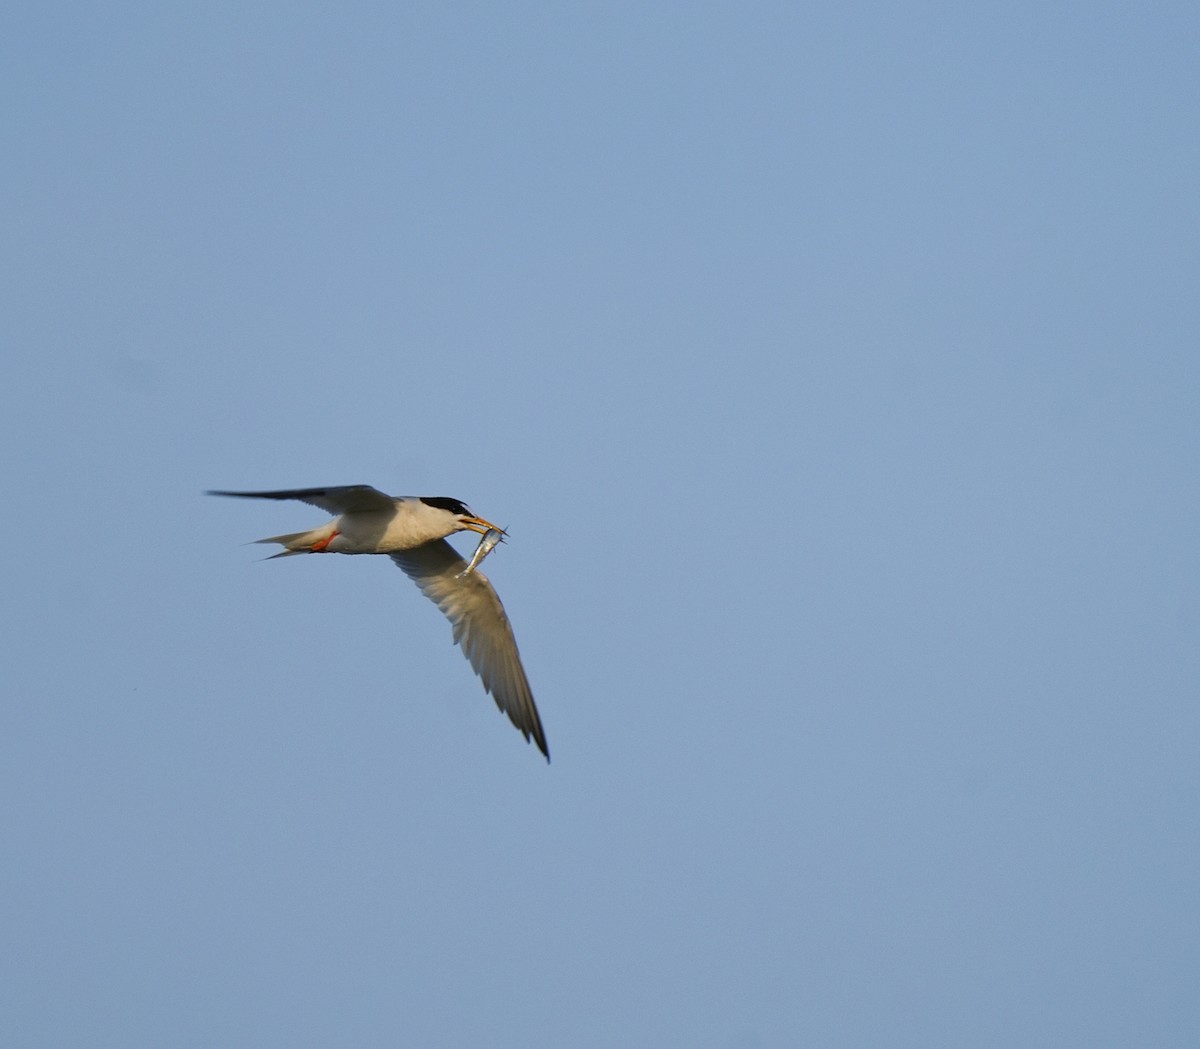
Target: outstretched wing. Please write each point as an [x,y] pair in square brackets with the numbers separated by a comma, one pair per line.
[346,499]
[480,627]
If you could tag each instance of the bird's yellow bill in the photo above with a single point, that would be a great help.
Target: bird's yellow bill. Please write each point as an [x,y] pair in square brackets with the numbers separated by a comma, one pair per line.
[478,524]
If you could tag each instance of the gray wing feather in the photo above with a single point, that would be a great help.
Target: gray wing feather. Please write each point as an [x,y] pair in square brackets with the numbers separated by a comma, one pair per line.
[349,498]
[480,627]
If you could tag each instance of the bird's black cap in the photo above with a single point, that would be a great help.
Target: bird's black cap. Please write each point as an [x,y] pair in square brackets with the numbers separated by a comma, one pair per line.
[444,502]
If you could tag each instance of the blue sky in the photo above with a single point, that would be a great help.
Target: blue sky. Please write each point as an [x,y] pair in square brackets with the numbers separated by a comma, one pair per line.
[834,370]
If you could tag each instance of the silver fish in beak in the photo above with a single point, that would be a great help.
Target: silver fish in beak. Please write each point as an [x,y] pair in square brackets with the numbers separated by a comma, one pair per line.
[487,543]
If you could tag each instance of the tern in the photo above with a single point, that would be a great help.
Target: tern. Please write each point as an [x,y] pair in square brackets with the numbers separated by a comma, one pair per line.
[412,531]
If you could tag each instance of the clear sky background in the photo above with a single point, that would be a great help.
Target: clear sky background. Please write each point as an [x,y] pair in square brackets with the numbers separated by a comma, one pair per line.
[835,371]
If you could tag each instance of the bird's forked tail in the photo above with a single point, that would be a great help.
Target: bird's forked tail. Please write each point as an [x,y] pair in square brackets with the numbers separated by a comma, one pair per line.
[308,542]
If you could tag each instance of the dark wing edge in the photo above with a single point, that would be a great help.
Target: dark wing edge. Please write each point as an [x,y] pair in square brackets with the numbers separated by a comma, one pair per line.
[336,500]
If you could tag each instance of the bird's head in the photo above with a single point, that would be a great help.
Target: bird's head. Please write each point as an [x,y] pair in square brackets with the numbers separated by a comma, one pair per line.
[462,518]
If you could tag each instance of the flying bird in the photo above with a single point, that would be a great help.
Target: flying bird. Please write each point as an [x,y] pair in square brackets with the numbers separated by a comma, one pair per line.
[412,531]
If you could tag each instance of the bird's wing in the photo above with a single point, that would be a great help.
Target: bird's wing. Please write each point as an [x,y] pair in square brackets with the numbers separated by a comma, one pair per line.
[480,627]
[349,498]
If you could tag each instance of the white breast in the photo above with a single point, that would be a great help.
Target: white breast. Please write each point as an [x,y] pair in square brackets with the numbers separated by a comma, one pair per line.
[409,524]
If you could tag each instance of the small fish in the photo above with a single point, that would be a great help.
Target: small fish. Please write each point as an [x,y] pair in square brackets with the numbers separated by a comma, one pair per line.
[487,543]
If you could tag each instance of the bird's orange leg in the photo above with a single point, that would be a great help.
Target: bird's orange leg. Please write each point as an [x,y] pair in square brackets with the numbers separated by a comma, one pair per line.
[319,546]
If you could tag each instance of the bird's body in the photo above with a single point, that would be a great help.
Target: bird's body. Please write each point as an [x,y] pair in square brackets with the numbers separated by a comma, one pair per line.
[412,530]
